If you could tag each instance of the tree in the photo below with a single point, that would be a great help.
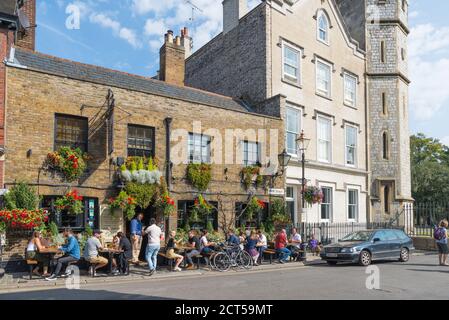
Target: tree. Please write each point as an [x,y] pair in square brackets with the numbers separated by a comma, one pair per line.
[430,169]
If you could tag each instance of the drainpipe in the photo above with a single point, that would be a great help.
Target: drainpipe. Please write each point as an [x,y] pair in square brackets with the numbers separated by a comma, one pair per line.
[168,163]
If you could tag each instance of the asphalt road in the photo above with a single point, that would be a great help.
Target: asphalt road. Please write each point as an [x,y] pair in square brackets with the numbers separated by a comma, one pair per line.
[421,278]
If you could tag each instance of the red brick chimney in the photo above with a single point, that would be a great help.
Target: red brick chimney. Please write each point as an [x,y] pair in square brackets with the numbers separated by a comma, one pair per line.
[172,60]
[26,37]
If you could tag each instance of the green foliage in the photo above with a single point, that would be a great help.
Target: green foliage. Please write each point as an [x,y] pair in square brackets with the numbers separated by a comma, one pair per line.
[430,169]
[279,212]
[2,227]
[199,175]
[142,193]
[254,207]
[21,196]
[210,227]
[53,228]
[182,235]
[68,162]
[88,230]
[187,227]
[251,175]
[124,202]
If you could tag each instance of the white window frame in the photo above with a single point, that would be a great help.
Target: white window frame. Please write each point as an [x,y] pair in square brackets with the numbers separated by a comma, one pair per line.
[287,77]
[247,143]
[347,126]
[357,205]
[322,14]
[300,115]
[294,200]
[208,146]
[331,204]
[349,103]
[319,62]
[319,118]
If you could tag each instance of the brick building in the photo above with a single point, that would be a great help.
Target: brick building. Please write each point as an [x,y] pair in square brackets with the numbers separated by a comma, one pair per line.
[341,67]
[52,102]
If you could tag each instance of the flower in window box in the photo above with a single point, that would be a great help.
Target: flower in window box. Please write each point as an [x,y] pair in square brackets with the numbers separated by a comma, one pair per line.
[123,202]
[72,201]
[67,162]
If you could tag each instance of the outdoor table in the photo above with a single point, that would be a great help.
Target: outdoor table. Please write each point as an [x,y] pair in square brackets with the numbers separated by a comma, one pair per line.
[51,253]
[109,254]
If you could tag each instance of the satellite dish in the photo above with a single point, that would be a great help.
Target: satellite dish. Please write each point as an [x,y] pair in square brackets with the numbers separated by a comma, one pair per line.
[24,21]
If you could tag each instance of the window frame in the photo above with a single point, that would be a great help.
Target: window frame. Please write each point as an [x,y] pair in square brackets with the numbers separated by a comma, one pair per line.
[330,148]
[209,147]
[300,115]
[74,117]
[321,15]
[245,151]
[330,204]
[153,138]
[352,104]
[354,205]
[349,126]
[285,76]
[320,92]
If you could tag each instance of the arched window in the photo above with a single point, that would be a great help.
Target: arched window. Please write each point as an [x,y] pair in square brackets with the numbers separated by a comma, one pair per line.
[323,27]
[385,146]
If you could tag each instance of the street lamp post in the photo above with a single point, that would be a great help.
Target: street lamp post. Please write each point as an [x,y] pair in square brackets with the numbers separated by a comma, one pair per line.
[303,144]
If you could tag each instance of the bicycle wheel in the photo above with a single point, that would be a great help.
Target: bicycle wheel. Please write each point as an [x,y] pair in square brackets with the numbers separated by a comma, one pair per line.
[244,260]
[222,262]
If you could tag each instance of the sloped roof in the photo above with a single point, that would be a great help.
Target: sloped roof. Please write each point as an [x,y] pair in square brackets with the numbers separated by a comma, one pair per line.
[84,72]
[7,6]
[353,13]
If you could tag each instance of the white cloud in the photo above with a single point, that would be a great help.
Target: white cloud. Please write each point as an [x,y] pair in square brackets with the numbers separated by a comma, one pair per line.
[429,72]
[445,140]
[155,27]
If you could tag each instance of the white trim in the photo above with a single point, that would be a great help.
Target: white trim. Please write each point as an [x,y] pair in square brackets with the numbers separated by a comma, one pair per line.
[294,200]
[318,140]
[319,61]
[352,104]
[286,77]
[300,111]
[332,203]
[352,188]
[347,125]
[322,13]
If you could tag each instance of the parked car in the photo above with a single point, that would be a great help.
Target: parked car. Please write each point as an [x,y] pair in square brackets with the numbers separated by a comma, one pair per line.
[363,247]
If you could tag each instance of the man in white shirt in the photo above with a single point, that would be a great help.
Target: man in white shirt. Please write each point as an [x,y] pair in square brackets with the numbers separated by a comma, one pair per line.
[296,241]
[154,245]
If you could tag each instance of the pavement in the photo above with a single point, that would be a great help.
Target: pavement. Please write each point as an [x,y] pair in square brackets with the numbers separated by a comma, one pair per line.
[420,278]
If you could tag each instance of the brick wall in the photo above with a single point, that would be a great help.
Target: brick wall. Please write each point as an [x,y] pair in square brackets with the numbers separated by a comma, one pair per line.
[27,38]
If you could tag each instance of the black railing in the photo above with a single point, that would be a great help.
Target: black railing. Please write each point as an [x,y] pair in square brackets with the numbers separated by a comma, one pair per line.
[328,233]
[425,217]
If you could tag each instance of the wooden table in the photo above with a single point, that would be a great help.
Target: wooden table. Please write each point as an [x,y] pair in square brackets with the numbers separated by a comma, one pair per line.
[109,254]
[51,253]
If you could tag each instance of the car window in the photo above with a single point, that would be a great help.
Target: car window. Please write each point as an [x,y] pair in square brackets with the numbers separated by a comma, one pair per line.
[391,235]
[381,235]
[401,235]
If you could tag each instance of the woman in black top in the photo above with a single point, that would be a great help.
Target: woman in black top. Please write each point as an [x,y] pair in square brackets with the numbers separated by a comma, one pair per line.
[171,245]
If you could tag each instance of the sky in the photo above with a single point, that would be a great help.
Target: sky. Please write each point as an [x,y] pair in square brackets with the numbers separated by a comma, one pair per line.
[126,35]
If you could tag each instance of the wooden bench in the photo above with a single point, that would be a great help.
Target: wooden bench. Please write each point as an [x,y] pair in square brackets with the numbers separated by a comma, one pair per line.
[271,253]
[31,265]
[170,261]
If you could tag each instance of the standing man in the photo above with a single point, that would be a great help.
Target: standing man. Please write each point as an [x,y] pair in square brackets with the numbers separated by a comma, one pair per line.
[154,245]
[136,237]
[91,255]
[71,253]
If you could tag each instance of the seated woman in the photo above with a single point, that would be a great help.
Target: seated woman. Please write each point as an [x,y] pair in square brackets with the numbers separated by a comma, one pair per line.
[206,246]
[34,252]
[171,245]
[251,246]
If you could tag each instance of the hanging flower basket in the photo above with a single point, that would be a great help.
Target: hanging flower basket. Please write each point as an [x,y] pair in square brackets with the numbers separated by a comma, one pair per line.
[140,171]
[72,202]
[69,163]
[166,204]
[22,219]
[254,207]
[313,195]
[201,209]
[199,175]
[123,202]
[251,176]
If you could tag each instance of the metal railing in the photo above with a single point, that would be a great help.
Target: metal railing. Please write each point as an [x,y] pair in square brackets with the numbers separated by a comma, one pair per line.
[425,217]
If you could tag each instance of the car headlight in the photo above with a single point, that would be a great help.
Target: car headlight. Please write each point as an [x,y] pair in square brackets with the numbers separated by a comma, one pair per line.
[348,250]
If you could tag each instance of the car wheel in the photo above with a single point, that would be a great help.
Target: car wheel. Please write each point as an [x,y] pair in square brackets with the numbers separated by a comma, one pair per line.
[332,263]
[405,255]
[365,258]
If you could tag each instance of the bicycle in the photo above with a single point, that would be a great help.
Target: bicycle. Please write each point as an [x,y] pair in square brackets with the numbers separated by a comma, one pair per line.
[231,257]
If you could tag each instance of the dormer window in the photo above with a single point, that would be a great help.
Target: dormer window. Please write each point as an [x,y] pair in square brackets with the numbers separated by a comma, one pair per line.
[323,28]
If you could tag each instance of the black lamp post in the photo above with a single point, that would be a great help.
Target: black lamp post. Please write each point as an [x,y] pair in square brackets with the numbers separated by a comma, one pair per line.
[303,144]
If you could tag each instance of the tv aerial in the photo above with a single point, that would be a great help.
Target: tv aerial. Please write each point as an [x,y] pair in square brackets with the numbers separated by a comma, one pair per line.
[194,8]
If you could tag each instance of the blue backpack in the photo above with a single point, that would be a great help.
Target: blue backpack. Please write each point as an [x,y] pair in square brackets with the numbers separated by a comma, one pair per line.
[439,233]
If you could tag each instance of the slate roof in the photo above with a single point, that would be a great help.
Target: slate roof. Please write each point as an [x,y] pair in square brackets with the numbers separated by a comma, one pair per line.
[84,72]
[7,6]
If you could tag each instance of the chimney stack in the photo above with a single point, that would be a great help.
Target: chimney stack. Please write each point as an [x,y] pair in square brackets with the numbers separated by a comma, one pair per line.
[172,60]
[186,41]
[233,10]
[26,37]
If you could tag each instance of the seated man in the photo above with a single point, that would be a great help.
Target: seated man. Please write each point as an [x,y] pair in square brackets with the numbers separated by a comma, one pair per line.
[296,241]
[71,253]
[194,244]
[232,240]
[124,245]
[262,245]
[93,244]
[281,246]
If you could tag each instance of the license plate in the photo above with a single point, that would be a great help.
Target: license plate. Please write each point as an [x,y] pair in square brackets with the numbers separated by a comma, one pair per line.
[332,255]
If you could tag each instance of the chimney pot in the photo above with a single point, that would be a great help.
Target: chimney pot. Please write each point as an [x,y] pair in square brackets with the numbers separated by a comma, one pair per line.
[172,60]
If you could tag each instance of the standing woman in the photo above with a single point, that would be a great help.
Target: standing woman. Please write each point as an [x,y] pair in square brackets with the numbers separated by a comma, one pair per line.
[442,242]
[34,252]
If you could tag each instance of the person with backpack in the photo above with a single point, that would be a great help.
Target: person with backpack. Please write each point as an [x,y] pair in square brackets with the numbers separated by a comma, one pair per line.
[440,236]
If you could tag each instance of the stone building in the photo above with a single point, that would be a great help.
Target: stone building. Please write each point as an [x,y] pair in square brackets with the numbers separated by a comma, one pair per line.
[340,66]
[51,102]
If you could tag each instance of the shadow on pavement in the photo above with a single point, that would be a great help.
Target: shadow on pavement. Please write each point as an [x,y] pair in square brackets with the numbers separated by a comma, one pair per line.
[433,271]
[65,294]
